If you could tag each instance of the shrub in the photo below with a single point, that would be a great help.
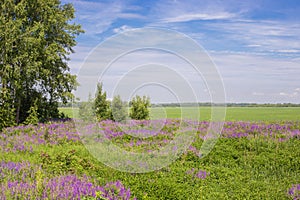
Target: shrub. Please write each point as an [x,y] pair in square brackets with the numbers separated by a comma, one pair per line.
[33,117]
[86,112]
[118,108]
[140,108]
[101,105]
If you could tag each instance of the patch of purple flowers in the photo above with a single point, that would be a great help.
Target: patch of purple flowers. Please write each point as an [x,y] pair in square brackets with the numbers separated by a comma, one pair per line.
[26,181]
[199,174]
[150,133]
[294,192]
[24,138]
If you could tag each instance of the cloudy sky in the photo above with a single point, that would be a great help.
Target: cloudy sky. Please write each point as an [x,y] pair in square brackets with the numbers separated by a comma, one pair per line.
[254,44]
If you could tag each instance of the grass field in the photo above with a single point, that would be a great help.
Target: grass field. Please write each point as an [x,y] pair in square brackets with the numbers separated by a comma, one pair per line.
[256,157]
[232,113]
[250,161]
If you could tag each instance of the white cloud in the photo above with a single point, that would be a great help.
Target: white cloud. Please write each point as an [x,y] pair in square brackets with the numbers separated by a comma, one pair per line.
[230,21]
[270,36]
[185,11]
[283,94]
[122,29]
[259,35]
[231,63]
[257,67]
[253,45]
[77,59]
[258,78]
[294,94]
[288,51]
[199,16]
[97,17]
[258,93]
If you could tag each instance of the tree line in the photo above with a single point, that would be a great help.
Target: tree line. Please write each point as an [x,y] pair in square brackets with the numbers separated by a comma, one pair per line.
[208,104]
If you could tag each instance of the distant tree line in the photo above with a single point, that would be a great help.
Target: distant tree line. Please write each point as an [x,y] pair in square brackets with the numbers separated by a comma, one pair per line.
[205,104]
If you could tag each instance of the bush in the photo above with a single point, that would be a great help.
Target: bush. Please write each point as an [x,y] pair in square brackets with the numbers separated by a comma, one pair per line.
[86,112]
[101,105]
[33,117]
[118,108]
[140,108]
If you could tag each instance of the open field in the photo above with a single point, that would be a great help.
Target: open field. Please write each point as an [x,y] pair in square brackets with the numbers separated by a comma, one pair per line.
[232,113]
[256,157]
[249,161]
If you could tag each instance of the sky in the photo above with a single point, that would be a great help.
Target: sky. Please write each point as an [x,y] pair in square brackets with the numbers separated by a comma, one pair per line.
[253,44]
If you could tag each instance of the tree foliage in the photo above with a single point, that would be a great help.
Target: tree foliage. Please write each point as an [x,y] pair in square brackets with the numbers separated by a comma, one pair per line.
[86,112]
[33,117]
[7,117]
[36,38]
[118,108]
[101,105]
[140,108]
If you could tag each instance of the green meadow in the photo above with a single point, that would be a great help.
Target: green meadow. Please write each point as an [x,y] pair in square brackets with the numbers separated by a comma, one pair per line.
[251,160]
[256,157]
[232,113]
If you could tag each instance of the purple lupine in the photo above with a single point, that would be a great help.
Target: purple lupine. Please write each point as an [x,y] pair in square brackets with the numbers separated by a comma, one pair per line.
[23,138]
[201,174]
[62,187]
[197,174]
[294,192]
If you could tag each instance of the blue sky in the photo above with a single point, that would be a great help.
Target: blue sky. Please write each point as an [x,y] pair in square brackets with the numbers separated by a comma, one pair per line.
[255,44]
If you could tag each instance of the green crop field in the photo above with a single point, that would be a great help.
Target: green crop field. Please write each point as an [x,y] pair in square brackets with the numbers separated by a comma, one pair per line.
[239,113]
[232,113]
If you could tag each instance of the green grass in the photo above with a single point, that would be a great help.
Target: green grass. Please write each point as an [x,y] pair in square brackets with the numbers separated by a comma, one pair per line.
[239,169]
[263,114]
[70,112]
[232,113]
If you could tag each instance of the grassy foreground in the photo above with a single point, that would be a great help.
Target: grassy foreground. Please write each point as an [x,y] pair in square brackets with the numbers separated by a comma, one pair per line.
[249,161]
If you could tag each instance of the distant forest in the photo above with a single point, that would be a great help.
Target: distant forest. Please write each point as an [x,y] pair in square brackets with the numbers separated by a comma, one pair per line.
[227,104]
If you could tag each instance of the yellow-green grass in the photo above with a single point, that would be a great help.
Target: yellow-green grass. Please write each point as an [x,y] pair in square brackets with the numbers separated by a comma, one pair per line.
[232,113]
[237,113]
[69,112]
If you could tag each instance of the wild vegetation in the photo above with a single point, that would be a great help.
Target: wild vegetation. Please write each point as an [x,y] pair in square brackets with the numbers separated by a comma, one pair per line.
[250,161]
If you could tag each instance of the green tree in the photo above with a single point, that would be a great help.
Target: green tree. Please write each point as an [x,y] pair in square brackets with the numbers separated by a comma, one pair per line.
[36,39]
[101,105]
[86,110]
[118,108]
[140,108]
[7,117]
[33,117]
